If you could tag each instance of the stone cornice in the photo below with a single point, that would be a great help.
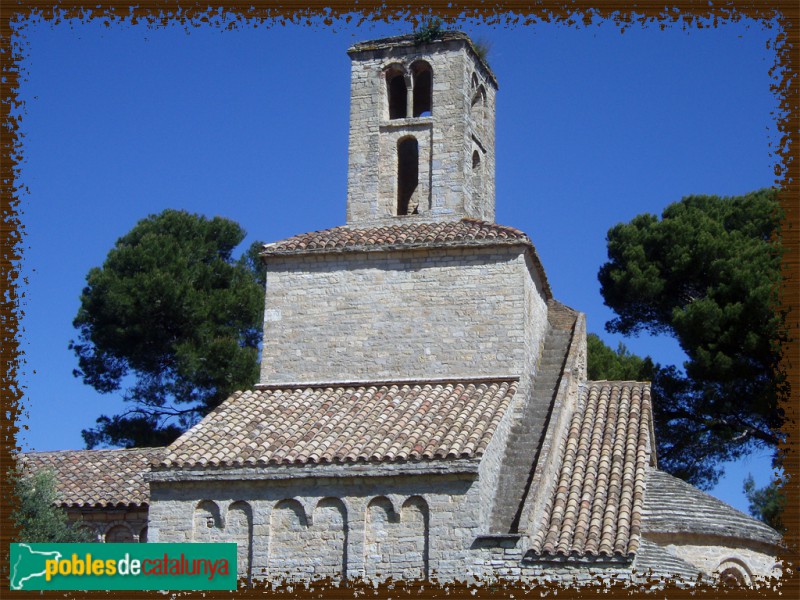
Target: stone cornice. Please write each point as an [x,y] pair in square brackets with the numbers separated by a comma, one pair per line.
[460,467]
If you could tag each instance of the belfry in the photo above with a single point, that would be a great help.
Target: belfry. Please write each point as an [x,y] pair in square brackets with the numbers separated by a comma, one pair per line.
[421,132]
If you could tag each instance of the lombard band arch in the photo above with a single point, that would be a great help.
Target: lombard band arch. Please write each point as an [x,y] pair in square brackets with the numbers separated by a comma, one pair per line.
[117,532]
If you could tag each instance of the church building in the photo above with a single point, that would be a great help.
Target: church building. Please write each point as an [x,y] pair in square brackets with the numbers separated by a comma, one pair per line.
[423,409]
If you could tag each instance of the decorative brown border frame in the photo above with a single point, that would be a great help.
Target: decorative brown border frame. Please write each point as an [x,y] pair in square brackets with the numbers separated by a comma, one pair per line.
[689,13]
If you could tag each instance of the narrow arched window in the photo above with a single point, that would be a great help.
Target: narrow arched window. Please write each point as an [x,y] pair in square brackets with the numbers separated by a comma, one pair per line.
[478,105]
[423,88]
[407,176]
[477,180]
[119,533]
[397,91]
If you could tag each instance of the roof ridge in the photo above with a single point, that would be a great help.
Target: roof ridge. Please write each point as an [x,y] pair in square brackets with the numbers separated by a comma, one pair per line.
[94,450]
[359,383]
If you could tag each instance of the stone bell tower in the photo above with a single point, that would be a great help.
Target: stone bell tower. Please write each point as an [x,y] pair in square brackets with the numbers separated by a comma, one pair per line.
[421,132]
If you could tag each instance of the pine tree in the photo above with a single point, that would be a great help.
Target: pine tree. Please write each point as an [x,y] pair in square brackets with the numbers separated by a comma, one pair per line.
[173,321]
[707,273]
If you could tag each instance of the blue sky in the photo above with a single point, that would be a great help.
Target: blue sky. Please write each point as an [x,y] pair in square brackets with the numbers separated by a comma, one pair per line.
[593,128]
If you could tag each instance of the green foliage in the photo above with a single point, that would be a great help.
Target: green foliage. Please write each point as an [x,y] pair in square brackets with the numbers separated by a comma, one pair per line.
[173,319]
[706,273]
[430,30]
[766,504]
[482,47]
[38,517]
[620,365]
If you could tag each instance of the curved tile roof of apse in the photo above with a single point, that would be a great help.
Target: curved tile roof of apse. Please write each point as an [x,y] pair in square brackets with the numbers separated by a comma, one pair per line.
[466,233]
[656,561]
[596,509]
[347,424]
[674,507]
[99,478]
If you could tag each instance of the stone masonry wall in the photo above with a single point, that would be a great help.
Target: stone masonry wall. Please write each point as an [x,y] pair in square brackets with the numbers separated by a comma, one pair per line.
[491,462]
[535,318]
[392,315]
[714,559]
[407,527]
[460,125]
[403,527]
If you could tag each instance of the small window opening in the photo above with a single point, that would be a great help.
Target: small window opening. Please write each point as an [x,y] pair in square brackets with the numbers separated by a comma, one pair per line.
[478,109]
[407,176]
[398,95]
[732,577]
[476,160]
[479,98]
[423,89]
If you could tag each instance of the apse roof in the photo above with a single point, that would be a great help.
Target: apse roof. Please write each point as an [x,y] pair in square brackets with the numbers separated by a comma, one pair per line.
[673,506]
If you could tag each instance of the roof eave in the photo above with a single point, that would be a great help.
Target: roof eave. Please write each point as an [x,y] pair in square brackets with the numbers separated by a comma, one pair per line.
[615,560]
[364,248]
[266,254]
[462,467]
[103,505]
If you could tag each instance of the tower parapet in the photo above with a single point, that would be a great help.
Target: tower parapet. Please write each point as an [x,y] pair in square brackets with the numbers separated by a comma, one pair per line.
[422,132]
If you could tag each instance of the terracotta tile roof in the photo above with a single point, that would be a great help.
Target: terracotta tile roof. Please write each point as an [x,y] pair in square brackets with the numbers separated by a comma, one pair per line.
[467,232]
[596,510]
[674,507]
[371,423]
[97,477]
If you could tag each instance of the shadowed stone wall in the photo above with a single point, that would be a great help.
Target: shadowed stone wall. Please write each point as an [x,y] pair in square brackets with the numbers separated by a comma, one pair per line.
[112,524]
